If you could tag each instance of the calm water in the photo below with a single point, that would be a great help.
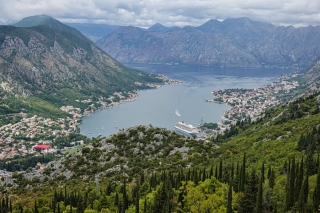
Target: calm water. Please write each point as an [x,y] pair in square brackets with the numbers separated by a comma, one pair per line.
[158,106]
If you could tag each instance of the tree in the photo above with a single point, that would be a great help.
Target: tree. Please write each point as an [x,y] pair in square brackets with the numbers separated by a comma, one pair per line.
[259,196]
[242,174]
[124,194]
[229,202]
[272,178]
[303,196]
[137,202]
[145,206]
[316,193]
[290,185]
[247,202]
[35,207]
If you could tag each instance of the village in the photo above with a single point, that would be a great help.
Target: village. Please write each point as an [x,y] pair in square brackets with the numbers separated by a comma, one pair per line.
[20,139]
[245,103]
[24,137]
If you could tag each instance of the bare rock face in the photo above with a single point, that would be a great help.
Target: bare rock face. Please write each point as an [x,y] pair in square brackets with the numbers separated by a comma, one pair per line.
[232,43]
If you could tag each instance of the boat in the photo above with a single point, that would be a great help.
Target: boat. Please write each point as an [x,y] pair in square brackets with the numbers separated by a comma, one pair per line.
[177,112]
[186,129]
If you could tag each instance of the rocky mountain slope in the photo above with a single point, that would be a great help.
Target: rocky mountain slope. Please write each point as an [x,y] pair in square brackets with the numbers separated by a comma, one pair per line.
[237,42]
[45,58]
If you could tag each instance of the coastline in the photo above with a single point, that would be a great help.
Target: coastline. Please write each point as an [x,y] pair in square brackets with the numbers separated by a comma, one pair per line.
[251,103]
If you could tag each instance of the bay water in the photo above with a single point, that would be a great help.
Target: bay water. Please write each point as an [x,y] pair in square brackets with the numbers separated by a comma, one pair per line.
[186,101]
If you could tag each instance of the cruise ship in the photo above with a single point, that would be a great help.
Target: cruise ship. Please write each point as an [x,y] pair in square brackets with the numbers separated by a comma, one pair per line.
[186,129]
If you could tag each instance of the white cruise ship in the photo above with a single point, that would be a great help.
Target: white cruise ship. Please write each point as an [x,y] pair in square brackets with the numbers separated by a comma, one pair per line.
[186,129]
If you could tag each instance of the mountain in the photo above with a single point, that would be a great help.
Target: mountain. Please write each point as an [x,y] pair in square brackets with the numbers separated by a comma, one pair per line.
[160,28]
[93,31]
[238,42]
[46,59]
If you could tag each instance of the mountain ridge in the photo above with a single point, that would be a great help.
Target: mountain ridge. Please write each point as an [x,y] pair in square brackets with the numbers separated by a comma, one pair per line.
[238,42]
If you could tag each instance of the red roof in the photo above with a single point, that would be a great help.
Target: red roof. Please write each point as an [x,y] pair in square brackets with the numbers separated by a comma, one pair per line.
[42,146]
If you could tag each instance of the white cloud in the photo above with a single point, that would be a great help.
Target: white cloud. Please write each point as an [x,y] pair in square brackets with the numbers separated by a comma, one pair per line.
[145,13]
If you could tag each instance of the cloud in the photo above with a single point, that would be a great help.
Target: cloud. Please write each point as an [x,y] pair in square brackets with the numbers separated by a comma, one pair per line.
[145,13]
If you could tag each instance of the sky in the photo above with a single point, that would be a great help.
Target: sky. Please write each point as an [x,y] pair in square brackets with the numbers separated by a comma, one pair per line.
[145,13]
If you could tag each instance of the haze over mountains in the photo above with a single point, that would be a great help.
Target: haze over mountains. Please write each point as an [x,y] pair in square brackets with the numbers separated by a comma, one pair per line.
[238,42]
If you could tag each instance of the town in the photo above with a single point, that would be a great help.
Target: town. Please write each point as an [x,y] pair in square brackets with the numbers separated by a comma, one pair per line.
[19,139]
[245,103]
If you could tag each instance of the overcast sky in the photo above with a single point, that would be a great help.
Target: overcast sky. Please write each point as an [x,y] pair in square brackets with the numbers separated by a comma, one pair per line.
[145,13]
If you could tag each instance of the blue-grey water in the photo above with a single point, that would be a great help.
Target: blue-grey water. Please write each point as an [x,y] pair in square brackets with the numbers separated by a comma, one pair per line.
[158,106]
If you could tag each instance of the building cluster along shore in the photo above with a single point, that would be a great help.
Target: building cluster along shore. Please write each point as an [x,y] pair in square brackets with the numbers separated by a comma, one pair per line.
[18,139]
[245,103]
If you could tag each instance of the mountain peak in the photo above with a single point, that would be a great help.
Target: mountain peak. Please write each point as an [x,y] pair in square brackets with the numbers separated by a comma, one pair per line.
[35,21]
[158,27]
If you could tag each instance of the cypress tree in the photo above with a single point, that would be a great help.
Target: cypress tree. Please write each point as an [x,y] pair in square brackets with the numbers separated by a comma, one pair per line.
[211,172]
[220,170]
[311,169]
[65,195]
[303,196]
[291,181]
[232,172]
[229,203]
[124,194]
[142,178]
[262,172]
[269,172]
[216,173]
[35,207]
[204,175]
[116,200]
[316,193]
[145,206]
[199,176]
[10,206]
[243,174]
[247,202]
[109,189]
[236,180]
[58,209]
[272,179]
[137,202]
[275,210]
[259,196]
[80,206]
[162,197]
[299,180]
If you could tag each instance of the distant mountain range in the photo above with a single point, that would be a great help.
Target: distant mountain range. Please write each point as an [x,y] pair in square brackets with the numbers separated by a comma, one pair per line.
[40,56]
[238,42]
